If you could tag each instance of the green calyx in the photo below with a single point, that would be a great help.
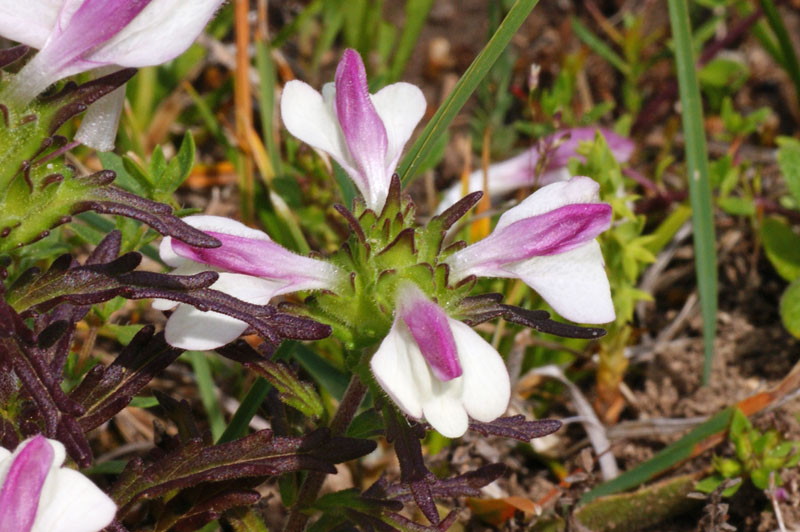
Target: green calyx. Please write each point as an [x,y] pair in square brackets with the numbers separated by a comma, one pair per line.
[384,251]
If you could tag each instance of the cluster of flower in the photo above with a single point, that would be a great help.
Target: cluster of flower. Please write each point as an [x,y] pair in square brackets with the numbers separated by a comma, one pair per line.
[428,361]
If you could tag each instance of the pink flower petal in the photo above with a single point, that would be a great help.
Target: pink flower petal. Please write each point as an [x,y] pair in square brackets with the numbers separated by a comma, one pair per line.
[429,326]
[363,129]
[262,258]
[551,233]
[22,486]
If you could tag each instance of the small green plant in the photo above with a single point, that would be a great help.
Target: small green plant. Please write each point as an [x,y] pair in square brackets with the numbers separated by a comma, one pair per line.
[758,457]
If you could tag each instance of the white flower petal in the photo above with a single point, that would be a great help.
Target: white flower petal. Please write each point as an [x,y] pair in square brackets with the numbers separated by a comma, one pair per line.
[196,330]
[400,106]
[70,502]
[311,119]
[28,22]
[445,412]
[222,224]
[574,283]
[168,255]
[577,190]
[394,368]
[162,31]
[486,387]
[98,127]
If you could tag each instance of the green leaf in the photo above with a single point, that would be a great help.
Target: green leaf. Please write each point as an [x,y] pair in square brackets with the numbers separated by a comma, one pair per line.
[440,122]
[738,206]
[723,73]
[790,308]
[789,162]
[760,477]
[144,402]
[124,179]
[782,245]
[709,484]
[123,333]
[291,390]
[366,425]
[740,425]
[180,166]
[697,174]
[664,233]
[245,520]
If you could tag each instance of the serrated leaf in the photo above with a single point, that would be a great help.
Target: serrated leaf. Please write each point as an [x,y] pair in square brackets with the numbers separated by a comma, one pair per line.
[782,245]
[255,456]
[107,390]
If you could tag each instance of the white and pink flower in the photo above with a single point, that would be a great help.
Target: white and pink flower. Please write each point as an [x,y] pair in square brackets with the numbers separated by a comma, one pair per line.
[39,495]
[548,241]
[75,36]
[365,133]
[438,369]
[251,267]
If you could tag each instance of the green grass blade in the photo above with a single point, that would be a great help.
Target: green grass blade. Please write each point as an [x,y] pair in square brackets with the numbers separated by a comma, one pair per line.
[266,101]
[697,170]
[668,457]
[237,428]
[205,385]
[438,125]
[416,15]
[598,46]
[790,61]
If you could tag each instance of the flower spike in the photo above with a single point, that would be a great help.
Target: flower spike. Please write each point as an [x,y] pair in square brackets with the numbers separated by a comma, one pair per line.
[364,133]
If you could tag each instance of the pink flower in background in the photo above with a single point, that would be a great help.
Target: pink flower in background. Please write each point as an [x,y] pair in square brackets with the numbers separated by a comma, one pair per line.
[252,268]
[521,171]
[365,133]
[38,495]
[548,241]
[75,36]
[438,369]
